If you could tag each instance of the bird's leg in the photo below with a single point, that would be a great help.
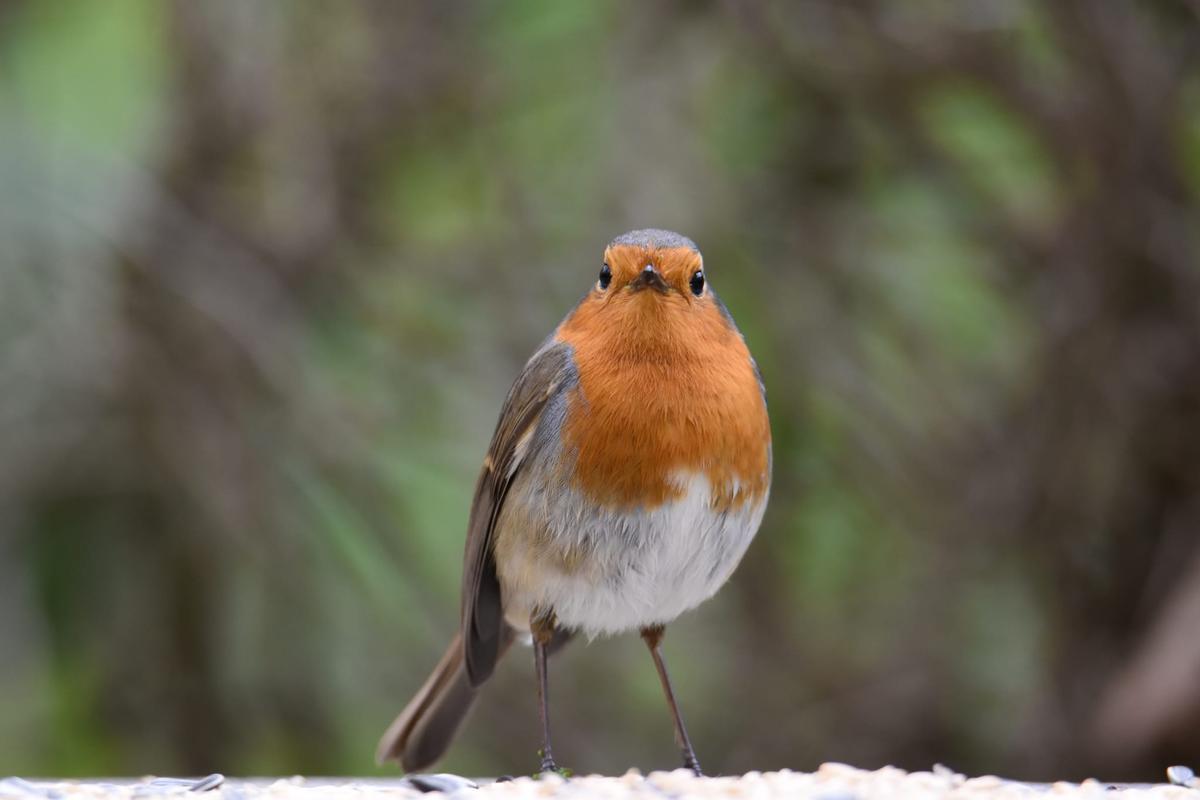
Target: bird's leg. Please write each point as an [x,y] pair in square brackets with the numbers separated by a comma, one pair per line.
[542,627]
[653,638]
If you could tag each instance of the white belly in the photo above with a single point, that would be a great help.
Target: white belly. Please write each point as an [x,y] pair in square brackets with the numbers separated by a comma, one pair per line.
[631,569]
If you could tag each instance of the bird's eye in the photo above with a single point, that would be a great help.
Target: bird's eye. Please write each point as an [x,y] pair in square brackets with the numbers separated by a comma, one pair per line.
[605,276]
[698,283]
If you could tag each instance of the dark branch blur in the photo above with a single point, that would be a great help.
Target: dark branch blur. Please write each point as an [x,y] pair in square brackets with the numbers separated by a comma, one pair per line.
[267,270]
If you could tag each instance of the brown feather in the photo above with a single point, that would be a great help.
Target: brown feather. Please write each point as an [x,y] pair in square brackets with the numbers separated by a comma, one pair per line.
[482,605]
[421,732]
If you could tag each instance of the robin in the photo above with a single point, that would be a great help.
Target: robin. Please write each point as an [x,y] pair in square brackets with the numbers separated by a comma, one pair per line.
[627,475]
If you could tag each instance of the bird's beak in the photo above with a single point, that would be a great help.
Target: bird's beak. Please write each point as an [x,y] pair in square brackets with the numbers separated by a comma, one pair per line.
[649,279]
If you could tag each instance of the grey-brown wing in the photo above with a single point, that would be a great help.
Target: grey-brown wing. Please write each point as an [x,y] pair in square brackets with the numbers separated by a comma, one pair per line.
[549,372]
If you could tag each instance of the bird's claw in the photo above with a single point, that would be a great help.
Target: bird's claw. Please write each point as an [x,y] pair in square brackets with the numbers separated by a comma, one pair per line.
[549,767]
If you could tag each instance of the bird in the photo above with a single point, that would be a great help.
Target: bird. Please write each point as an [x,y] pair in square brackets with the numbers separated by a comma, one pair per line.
[628,473]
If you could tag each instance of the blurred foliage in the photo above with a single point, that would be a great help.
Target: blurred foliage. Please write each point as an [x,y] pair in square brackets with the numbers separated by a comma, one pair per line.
[267,270]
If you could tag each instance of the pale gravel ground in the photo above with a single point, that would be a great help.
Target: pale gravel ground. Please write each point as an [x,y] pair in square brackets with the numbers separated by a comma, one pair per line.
[829,782]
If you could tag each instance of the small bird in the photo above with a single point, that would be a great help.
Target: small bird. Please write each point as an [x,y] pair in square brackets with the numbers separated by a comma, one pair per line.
[628,473]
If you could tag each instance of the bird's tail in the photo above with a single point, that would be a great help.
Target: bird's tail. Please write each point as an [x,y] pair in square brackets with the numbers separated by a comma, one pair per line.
[421,733]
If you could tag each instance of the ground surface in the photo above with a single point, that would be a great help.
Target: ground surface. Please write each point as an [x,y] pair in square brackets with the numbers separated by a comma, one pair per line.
[830,782]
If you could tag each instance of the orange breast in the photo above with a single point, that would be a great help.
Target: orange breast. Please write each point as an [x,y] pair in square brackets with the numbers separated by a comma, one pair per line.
[666,386]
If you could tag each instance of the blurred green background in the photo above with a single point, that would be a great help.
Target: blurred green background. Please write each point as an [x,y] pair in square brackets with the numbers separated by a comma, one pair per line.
[267,271]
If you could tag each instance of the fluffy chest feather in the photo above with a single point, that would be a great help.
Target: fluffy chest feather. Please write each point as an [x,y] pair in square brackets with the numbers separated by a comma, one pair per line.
[675,393]
[605,571]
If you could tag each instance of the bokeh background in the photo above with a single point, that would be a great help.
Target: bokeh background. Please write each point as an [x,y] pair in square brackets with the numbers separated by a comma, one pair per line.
[267,270]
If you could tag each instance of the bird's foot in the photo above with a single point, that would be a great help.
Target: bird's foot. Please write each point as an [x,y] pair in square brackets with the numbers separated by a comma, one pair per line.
[549,767]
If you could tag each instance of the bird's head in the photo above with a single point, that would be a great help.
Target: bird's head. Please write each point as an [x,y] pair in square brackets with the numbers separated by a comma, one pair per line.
[651,293]
[649,268]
